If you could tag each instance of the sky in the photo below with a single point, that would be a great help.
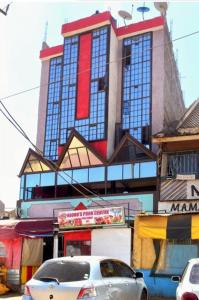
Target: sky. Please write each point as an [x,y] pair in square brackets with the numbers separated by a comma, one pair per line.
[22,32]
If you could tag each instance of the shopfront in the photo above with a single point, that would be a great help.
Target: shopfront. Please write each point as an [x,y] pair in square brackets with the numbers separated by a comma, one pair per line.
[163,244]
[100,231]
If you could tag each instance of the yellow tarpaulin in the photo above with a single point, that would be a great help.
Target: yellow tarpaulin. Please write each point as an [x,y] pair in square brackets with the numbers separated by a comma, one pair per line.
[154,227]
[195,227]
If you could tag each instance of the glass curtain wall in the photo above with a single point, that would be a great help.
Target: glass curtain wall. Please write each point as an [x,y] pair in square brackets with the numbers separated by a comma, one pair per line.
[136,87]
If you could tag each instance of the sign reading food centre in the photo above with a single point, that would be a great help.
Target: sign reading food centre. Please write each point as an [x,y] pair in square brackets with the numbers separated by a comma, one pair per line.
[91,217]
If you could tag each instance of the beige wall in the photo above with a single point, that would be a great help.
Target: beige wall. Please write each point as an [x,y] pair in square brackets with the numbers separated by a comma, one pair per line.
[114,99]
[157,81]
[42,104]
[174,106]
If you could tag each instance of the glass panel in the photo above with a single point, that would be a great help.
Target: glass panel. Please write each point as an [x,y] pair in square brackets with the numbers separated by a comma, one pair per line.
[127,171]
[47,179]
[75,143]
[83,155]
[93,159]
[148,169]
[115,172]
[22,182]
[32,180]
[27,169]
[66,164]
[80,175]
[137,170]
[74,158]
[96,174]
[64,271]
[64,177]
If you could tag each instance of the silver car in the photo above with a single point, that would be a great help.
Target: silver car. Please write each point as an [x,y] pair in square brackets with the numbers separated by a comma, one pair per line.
[87,278]
[188,288]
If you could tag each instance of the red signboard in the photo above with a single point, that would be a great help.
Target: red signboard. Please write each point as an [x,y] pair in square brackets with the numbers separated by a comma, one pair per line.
[91,217]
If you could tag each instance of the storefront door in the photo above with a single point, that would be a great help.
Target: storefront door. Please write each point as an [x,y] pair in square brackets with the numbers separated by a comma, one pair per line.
[77,243]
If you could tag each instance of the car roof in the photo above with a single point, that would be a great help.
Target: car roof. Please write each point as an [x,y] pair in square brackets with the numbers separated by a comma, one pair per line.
[194,260]
[82,258]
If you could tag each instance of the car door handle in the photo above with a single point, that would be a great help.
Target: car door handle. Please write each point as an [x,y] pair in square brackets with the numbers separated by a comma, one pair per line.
[126,283]
[110,284]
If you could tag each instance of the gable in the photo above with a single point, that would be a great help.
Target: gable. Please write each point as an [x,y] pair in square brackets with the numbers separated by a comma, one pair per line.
[34,163]
[130,150]
[78,154]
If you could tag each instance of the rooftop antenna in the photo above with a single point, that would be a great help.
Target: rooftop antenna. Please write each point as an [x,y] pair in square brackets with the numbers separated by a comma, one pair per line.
[161,7]
[143,9]
[125,15]
[46,32]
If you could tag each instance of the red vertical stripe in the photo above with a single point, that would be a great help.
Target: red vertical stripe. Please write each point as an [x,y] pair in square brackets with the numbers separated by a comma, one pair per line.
[29,272]
[83,93]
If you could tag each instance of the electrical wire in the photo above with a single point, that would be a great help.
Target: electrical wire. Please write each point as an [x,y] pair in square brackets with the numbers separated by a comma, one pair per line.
[12,120]
[19,128]
[86,70]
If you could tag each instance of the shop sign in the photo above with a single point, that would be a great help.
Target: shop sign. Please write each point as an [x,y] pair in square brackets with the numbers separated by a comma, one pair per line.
[91,217]
[178,206]
[193,189]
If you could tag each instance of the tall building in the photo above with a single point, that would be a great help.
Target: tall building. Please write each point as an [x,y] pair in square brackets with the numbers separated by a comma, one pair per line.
[104,92]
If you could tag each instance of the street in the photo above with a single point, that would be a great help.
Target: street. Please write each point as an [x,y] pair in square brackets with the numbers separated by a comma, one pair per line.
[13,296]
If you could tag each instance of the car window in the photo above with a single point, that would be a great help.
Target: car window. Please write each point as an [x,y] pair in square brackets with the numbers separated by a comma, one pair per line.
[64,271]
[123,270]
[107,269]
[194,274]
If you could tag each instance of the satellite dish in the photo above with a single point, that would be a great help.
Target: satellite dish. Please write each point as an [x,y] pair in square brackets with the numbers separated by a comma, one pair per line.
[125,15]
[143,10]
[161,7]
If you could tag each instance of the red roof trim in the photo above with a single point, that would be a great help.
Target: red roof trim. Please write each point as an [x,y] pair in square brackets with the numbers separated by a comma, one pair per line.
[56,50]
[87,22]
[144,25]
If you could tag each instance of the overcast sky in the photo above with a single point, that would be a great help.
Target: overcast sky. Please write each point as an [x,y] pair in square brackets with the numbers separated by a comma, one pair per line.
[22,32]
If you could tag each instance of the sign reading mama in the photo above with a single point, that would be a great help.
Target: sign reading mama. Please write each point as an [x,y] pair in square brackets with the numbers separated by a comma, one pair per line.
[91,217]
[178,206]
[193,189]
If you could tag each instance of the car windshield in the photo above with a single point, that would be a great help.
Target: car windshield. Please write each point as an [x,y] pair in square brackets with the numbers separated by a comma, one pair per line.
[63,271]
[194,274]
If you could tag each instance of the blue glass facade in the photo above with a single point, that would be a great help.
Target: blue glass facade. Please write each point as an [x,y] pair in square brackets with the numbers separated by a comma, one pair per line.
[53,109]
[62,94]
[103,174]
[136,88]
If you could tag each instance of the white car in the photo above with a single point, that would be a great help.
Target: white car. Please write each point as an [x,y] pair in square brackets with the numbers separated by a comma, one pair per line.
[188,287]
[86,278]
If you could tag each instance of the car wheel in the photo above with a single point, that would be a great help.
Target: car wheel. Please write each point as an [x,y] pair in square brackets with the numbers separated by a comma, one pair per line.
[144,295]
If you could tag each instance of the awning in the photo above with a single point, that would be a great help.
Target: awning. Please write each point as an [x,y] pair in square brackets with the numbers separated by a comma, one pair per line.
[11,229]
[7,229]
[175,226]
[35,227]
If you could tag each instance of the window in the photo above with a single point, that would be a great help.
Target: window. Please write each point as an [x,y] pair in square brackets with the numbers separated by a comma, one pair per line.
[53,110]
[64,271]
[136,88]
[127,55]
[183,163]
[194,274]
[123,270]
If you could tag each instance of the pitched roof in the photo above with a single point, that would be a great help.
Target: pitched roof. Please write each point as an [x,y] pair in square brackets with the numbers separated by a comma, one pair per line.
[34,162]
[191,117]
[131,150]
[78,153]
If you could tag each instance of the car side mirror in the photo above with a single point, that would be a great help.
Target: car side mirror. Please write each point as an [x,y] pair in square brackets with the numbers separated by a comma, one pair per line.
[176,278]
[139,275]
